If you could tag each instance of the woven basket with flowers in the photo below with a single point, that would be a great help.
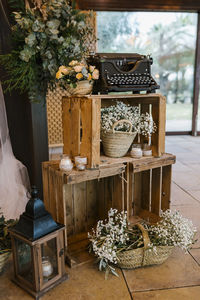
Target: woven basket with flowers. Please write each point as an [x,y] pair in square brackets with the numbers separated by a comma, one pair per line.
[77,77]
[116,242]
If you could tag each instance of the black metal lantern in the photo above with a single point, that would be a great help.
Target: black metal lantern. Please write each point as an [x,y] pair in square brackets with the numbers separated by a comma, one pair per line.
[38,249]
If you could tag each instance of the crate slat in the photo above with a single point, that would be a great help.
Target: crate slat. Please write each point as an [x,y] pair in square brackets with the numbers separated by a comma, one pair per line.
[166,187]
[156,191]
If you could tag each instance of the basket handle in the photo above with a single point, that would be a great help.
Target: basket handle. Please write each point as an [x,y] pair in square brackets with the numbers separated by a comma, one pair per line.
[122,121]
[144,235]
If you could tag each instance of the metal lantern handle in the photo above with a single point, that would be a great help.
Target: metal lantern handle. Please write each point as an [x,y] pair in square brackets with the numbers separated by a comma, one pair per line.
[122,121]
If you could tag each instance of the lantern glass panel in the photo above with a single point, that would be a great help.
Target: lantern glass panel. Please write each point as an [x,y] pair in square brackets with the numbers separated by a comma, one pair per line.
[49,259]
[24,260]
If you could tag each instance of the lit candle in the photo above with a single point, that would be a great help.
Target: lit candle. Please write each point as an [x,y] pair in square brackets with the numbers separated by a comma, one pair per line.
[66,164]
[47,268]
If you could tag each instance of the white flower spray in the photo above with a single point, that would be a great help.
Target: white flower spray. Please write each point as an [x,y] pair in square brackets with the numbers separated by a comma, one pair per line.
[116,235]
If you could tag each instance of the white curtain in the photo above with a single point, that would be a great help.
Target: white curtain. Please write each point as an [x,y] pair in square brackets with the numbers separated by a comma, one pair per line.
[14,181]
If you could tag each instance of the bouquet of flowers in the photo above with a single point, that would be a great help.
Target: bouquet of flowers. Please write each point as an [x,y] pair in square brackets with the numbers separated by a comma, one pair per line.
[115,236]
[76,71]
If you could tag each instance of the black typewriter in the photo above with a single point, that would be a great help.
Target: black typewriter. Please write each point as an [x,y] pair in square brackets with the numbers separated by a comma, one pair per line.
[121,72]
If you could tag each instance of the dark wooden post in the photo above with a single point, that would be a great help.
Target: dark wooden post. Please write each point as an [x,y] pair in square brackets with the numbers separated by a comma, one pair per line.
[196,81]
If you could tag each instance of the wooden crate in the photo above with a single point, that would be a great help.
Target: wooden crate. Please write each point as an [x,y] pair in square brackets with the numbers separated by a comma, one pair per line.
[81,122]
[150,187]
[80,199]
[81,128]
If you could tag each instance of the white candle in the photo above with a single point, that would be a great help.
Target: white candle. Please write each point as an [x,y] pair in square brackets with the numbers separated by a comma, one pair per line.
[66,164]
[147,152]
[136,152]
[80,160]
[47,268]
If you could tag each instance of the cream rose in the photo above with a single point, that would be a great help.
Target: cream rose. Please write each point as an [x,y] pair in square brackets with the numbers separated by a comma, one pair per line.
[78,68]
[91,68]
[73,63]
[95,74]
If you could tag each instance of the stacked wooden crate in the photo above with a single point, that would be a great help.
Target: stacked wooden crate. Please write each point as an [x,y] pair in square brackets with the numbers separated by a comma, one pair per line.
[140,186]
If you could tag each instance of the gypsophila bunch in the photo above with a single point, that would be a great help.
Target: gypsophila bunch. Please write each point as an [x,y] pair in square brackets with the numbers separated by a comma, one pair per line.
[173,230]
[116,235]
[120,111]
[112,237]
[146,125]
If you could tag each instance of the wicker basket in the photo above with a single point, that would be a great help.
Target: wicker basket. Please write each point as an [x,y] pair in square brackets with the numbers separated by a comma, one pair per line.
[83,87]
[3,259]
[117,143]
[143,256]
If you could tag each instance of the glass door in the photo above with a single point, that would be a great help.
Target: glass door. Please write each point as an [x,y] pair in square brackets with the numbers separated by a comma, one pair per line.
[170,38]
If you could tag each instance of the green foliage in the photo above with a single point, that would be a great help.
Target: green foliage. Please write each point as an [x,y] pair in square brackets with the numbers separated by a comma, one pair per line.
[5,241]
[43,39]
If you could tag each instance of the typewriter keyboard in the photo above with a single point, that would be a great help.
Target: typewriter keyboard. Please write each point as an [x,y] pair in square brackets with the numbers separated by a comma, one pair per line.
[130,79]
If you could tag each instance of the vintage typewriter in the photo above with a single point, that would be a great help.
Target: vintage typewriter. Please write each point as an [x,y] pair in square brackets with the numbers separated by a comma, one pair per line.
[121,72]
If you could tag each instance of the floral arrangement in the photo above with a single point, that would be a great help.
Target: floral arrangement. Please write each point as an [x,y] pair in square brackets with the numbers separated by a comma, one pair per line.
[44,37]
[142,123]
[76,71]
[116,235]
[147,126]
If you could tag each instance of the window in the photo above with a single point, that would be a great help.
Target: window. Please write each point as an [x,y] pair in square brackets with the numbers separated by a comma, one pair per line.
[170,38]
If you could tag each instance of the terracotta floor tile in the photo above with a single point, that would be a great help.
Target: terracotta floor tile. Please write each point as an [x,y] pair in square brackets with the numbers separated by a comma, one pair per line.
[178,271]
[188,293]
[188,180]
[196,254]
[179,197]
[84,283]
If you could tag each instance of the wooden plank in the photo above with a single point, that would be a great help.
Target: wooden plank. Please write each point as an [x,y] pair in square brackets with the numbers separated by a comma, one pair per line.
[159,117]
[100,198]
[137,192]
[108,195]
[69,208]
[95,138]
[133,5]
[118,193]
[127,190]
[92,203]
[45,179]
[86,117]
[79,202]
[77,176]
[75,127]
[66,121]
[153,163]
[196,81]
[166,187]
[146,190]
[52,194]
[61,207]
[156,191]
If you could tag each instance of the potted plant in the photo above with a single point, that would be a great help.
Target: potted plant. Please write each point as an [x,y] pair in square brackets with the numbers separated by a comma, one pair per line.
[116,242]
[5,241]
[77,77]
[46,36]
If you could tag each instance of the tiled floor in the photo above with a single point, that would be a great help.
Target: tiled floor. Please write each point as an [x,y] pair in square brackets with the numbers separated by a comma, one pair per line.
[177,279]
